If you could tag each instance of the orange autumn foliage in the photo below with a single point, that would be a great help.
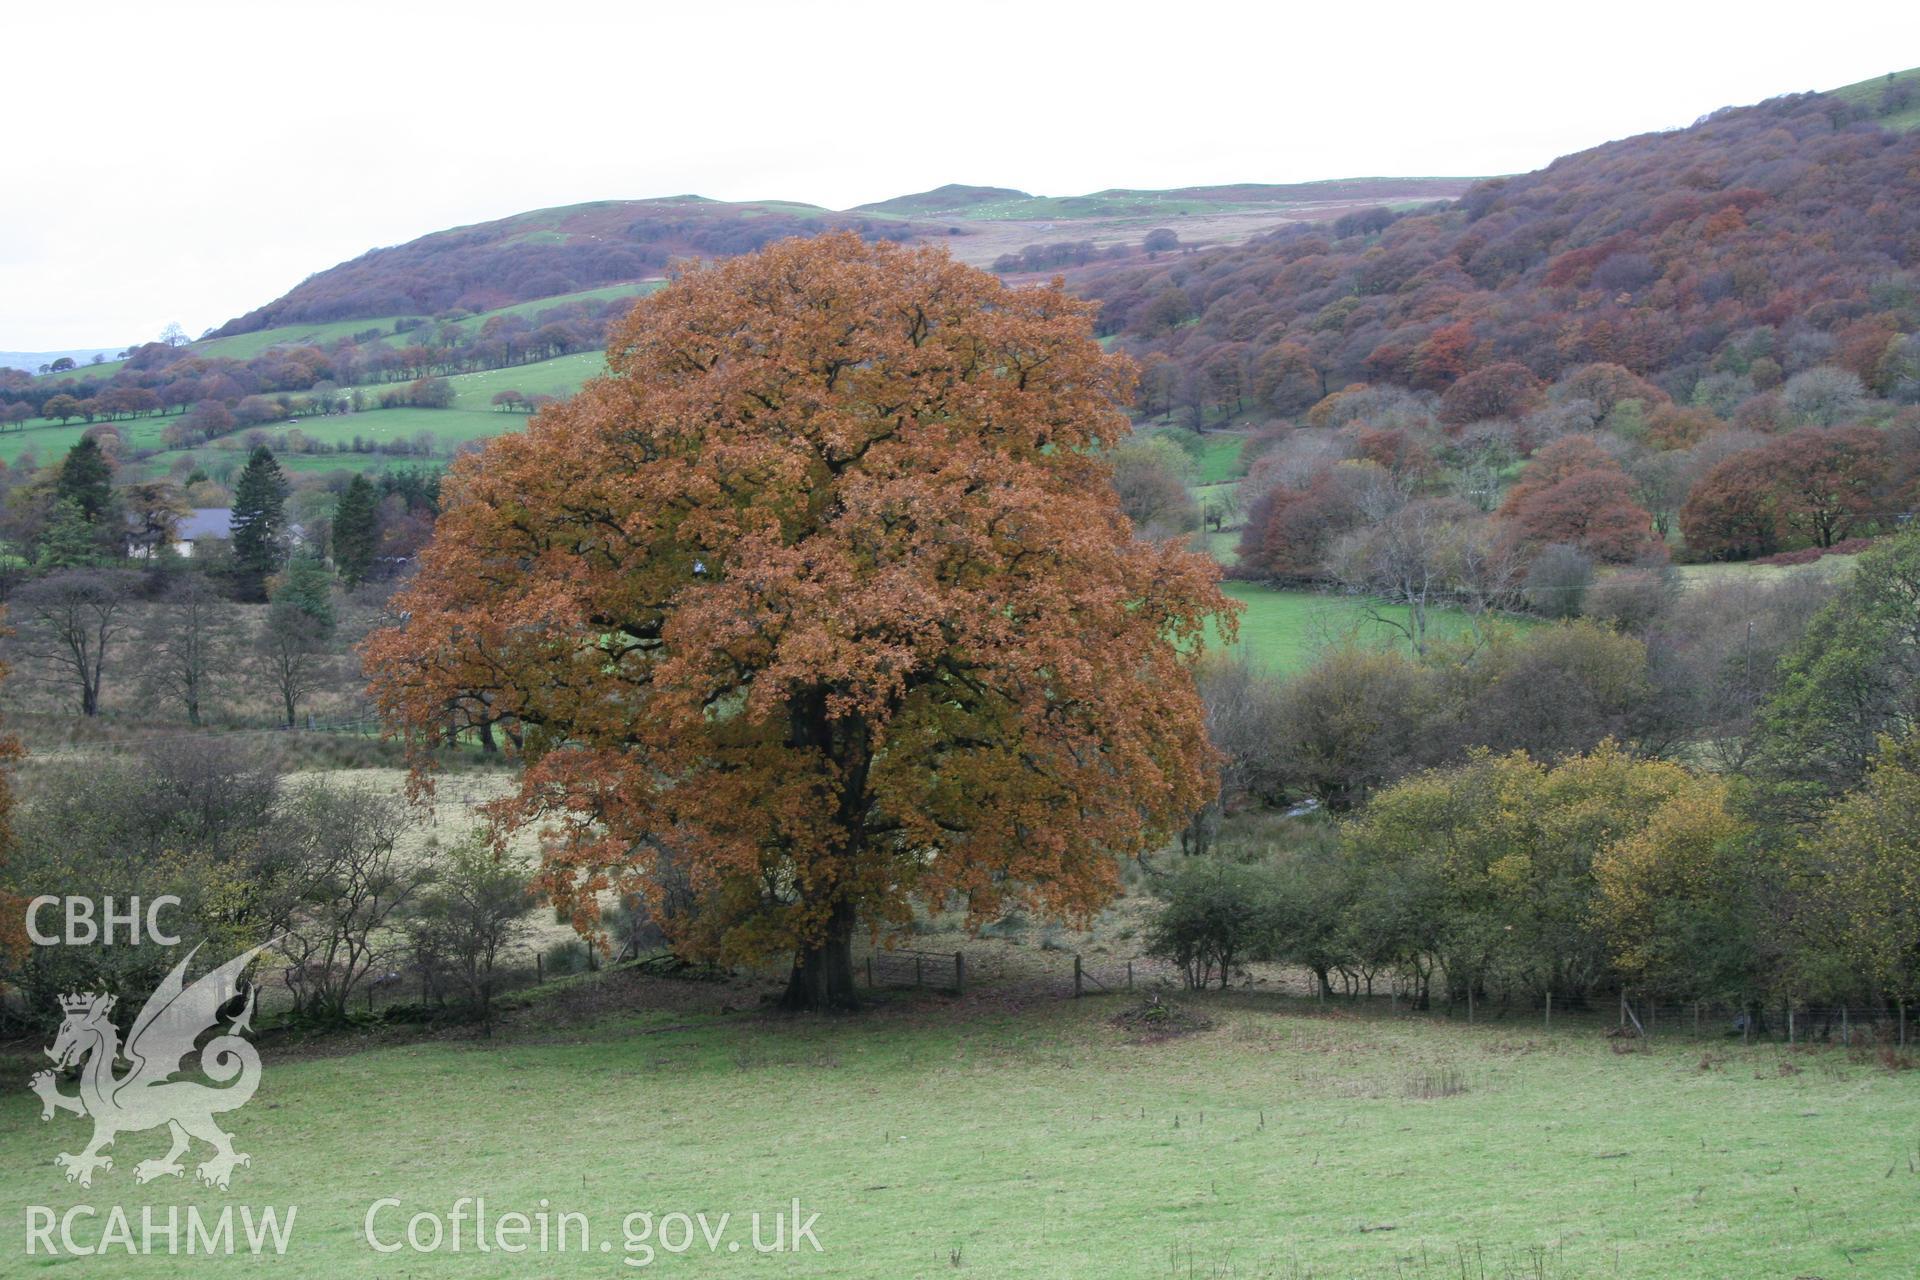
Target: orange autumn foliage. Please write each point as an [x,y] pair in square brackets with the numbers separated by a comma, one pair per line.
[823,599]
[1573,493]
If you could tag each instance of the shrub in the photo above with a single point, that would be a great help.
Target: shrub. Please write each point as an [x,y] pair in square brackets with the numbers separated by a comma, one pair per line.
[1557,581]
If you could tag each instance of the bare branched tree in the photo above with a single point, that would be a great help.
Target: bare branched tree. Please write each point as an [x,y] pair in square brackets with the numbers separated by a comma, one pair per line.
[1244,724]
[1401,560]
[187,647]
[292,657]
[71,622]
[337,886]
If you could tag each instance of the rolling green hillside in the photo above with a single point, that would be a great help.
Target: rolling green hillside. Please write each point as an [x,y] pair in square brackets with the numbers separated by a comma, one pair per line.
[992,204]
[472,417]
[591,247]
[1892,100]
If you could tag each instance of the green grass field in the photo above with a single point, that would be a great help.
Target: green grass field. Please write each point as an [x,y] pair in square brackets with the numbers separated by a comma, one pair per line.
[245,346]
[1287,1141]
[47,440]
[471,418]
[1219,459]
[1283,630]
[558,377]
[1868,93]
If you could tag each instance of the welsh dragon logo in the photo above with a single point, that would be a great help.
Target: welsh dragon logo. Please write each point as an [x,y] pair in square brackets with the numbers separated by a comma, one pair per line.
[146,1095]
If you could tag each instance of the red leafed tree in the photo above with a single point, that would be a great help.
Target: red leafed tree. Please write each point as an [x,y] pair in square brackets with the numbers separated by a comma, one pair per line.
[1287,381]
[1505,390]
[1394,448]
[1606,385]
[1733,512]
[1830,479]
[1573,493]
[1444,358]
[1289,530]
[821,603]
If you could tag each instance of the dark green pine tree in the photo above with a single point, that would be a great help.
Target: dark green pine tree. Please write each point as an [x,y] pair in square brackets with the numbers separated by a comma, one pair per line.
[356,531]
[307,587]
[259,523]
[86,480]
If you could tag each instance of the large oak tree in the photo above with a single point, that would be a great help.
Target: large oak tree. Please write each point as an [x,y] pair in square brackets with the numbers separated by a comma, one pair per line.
[823,599]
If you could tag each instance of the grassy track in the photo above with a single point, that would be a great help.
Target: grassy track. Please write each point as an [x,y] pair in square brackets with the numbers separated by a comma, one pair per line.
[1045,1143]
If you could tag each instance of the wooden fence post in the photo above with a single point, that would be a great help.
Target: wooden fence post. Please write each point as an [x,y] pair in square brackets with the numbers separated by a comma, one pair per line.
[1789,1022]
[1076,975]
[1129,975]
[869,973]
[1623,1008]
[1549,1011]
[916,972]
[1469,1001]
[959,974]
[539,967]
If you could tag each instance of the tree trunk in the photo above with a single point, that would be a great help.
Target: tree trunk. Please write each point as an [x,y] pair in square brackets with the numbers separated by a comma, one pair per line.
[822,977]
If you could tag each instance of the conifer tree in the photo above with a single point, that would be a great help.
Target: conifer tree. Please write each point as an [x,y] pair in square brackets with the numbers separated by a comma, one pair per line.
[259,523]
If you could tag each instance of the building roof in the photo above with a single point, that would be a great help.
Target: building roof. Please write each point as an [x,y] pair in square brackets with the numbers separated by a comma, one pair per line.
[206,522]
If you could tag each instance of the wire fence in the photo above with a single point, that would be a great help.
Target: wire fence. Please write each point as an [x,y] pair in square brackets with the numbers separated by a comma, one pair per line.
[1631,1015]
[1621,1014]
[920,970]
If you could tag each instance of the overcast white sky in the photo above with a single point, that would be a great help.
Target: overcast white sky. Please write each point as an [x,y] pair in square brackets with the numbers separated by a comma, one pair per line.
[189,161]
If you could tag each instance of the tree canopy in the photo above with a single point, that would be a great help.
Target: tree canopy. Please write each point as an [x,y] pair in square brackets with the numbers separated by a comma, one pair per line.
[824,597]
[259,521]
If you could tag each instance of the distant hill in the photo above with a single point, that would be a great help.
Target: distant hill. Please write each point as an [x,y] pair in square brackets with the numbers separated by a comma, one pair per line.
[1761,240]
[1891,101]
[952,200]
[543,253]
[32,360]
[549,252]
[1004,203]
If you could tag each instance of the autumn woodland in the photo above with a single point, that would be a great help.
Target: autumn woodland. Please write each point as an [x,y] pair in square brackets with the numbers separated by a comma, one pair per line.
[1366,728]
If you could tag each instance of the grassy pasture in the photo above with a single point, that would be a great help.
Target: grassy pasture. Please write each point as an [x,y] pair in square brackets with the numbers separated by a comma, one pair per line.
[1868,92]
[534,308]
[1219,459]
[450,427]
[245,346]
[1037,1139]
[47,440]
[559,377]
[471,418]
[1832,568]
[1284,630]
